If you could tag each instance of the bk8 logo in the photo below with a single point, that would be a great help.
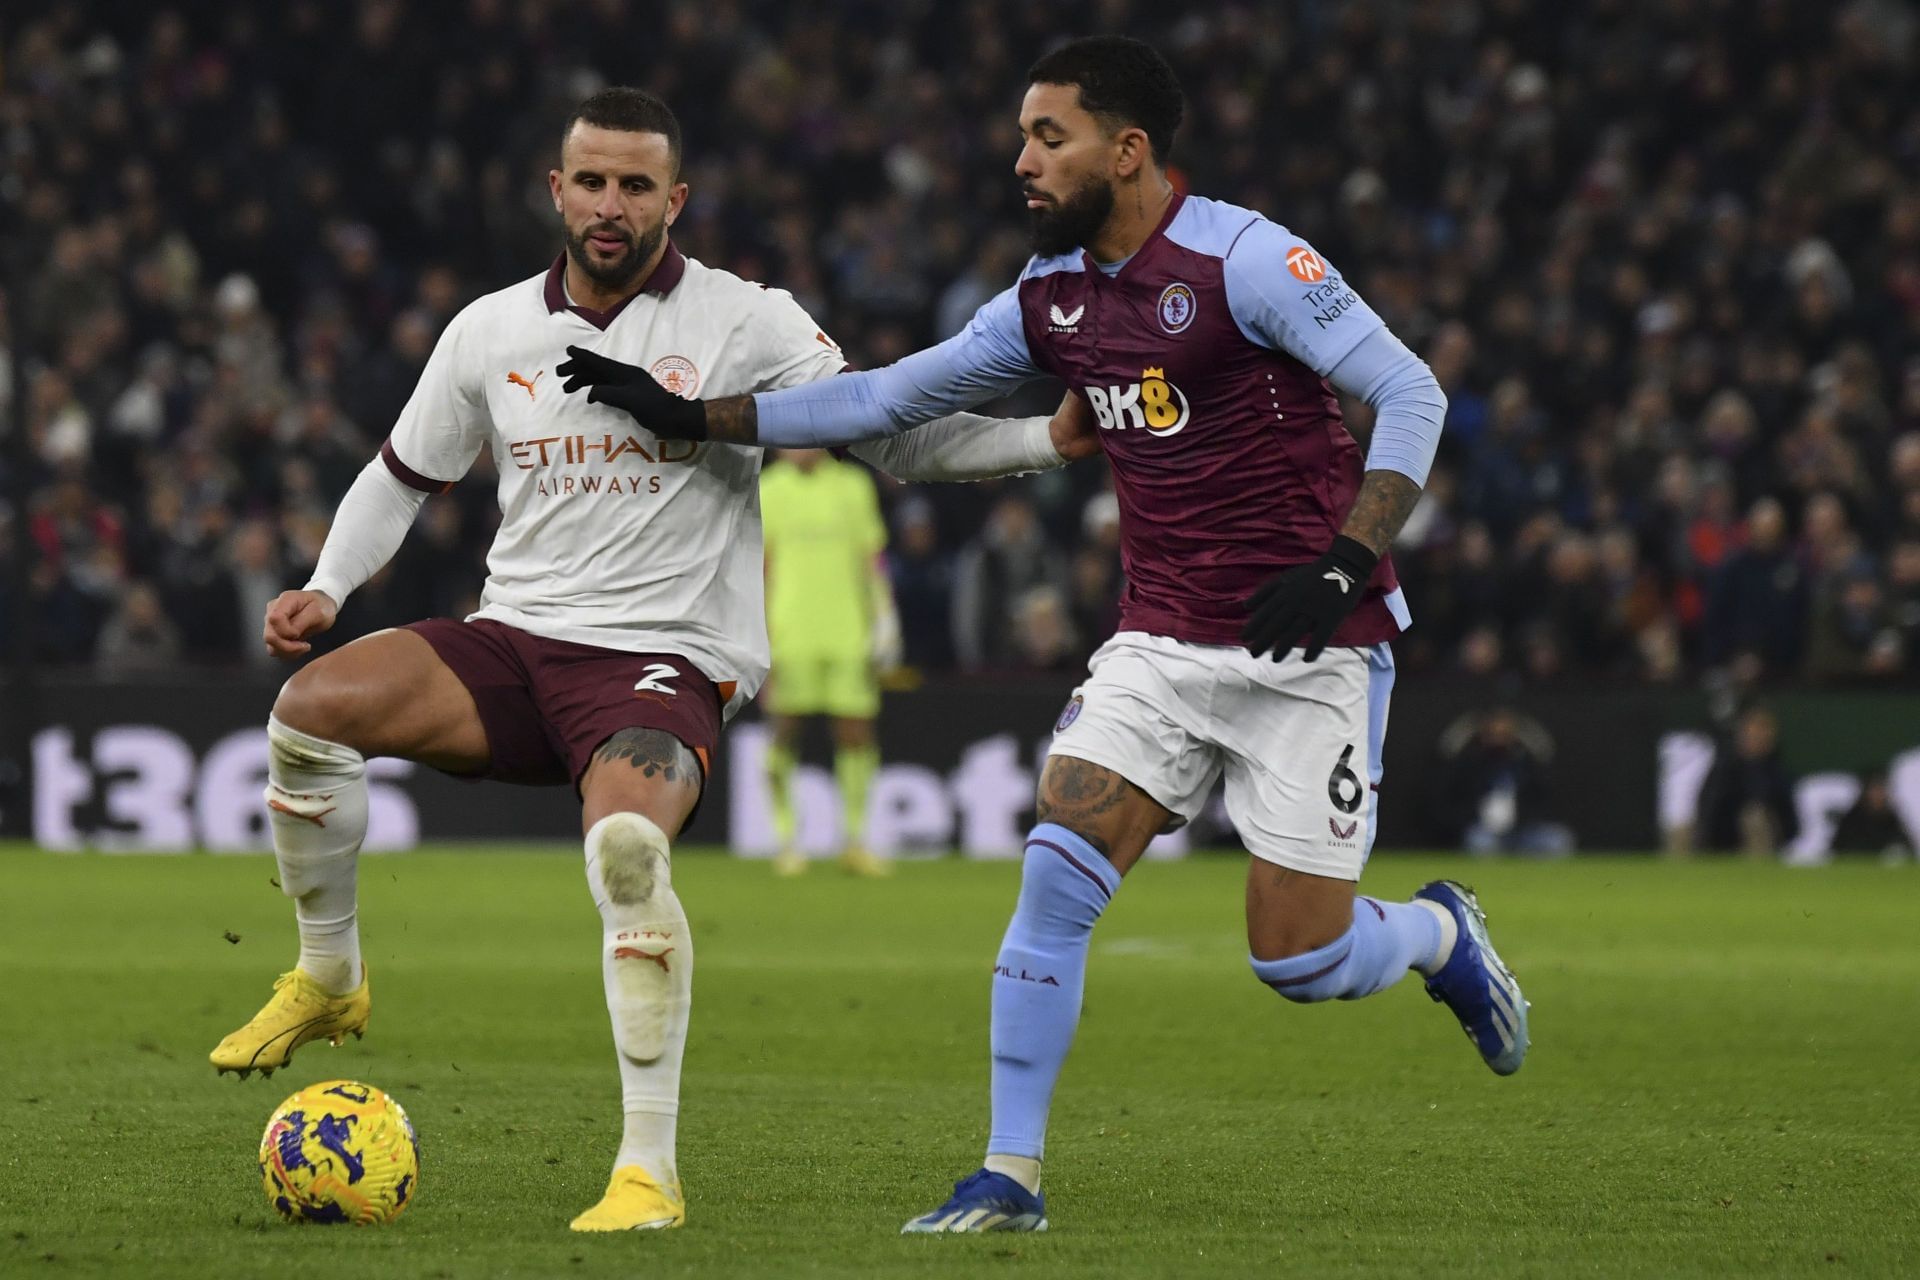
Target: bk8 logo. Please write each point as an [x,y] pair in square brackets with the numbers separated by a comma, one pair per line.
[1152,402]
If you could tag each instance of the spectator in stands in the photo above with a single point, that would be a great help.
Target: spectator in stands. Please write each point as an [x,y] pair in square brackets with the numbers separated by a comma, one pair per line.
[1872,825]
[1658,290]
[254,569]
[1095,600]
[1757,600]
[1009,558]
[139,639]
[1746,802]
[922,586]
[1043,634]
[1493,790]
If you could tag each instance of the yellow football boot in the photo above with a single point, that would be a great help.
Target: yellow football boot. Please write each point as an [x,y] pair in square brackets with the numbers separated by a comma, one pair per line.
[789,862]
[857,859]
[635,1202]
[301,1010]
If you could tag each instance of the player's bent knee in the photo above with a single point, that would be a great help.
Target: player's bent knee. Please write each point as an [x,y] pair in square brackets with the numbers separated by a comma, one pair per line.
[1310,976]
[315,702]
[644,931]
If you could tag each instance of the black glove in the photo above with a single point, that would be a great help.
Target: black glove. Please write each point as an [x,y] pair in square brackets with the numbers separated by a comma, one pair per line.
[629,387]
[1308,600]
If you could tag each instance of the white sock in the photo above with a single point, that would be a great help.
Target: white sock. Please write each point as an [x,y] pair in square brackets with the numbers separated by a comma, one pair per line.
[646,1139]
[1021,1169]
[1449,934]
[317,807]
[647,963]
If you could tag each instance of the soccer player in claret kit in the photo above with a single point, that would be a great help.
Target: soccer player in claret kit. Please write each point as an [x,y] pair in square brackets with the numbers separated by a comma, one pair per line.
[1260,599]
[621,623]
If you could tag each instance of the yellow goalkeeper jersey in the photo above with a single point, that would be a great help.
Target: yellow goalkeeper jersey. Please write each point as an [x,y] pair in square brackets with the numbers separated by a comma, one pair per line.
[823,530]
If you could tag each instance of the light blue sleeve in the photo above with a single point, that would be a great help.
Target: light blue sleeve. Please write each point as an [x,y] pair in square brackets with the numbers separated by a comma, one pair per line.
[1286,297]
[986,359]
[1408,405]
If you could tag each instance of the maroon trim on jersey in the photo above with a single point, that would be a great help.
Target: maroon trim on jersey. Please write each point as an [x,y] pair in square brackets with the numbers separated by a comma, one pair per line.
[407,476]
[1166,220]
[661,280]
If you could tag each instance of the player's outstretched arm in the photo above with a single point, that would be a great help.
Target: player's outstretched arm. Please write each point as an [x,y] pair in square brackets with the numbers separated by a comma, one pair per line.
[986,359]
[835,411]
[966,446]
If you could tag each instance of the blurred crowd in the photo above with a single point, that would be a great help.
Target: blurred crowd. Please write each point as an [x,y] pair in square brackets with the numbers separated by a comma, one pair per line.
[1664,256]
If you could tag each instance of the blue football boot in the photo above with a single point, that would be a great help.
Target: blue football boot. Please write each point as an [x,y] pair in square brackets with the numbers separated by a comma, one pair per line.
[984,1201]
[1476,985]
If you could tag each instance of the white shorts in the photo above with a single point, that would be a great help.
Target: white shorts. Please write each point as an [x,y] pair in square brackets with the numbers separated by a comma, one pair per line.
[1299,742]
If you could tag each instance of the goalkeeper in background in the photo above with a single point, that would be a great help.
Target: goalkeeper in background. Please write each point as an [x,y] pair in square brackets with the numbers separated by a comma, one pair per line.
[833,628]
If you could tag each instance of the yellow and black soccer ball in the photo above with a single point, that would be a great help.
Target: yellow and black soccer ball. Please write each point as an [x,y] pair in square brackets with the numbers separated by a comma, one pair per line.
[340,1151]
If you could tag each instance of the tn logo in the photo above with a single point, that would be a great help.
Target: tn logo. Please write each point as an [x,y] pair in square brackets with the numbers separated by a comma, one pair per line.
[656,672]
[1152,402]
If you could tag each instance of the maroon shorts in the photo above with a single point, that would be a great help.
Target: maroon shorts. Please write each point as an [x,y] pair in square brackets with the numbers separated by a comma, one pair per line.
[547,705]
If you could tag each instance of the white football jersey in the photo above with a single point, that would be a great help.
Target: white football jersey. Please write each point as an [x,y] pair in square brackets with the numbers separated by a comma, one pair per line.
[609,536]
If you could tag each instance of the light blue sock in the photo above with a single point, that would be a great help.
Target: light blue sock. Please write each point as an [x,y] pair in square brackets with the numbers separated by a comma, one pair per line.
[1065,884]
[1386,940]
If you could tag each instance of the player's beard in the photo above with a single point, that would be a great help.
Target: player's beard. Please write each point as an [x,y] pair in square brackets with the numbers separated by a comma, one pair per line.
[615,273]
[1067,225]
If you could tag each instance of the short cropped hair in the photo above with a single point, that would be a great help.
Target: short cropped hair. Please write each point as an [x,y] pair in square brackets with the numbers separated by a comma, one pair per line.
[1122,81]
[630,111]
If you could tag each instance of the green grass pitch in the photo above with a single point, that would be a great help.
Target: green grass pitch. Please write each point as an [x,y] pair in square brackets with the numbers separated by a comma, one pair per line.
[1725,1078]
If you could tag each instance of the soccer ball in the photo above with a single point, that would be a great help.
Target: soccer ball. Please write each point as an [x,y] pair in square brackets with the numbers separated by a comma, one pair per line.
[340,1151]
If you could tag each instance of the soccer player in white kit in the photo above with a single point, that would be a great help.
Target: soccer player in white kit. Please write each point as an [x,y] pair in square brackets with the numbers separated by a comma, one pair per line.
[623,615]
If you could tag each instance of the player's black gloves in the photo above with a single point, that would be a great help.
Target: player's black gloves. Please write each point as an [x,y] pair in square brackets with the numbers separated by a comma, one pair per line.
[629,387]
[1308,600]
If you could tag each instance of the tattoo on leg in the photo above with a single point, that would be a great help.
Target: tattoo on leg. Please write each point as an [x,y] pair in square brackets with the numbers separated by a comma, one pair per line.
[1077,794]
[655,752]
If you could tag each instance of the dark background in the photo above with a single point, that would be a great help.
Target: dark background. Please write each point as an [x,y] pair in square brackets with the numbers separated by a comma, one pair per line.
[1664,256]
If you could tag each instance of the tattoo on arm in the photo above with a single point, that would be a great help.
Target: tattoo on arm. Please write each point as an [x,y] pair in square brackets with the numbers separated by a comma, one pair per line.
[655,752]
[733,420]
[1385,501]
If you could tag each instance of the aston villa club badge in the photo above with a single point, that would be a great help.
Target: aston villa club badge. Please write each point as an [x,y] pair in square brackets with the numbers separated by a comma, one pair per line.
[1176,307]
[1069,713]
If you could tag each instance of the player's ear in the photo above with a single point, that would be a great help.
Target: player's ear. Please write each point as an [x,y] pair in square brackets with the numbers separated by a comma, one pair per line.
[553,188]
[676,201]
[1132,152]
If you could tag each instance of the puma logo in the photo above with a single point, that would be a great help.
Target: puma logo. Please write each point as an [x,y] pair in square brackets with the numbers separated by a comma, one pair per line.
[634,953]
[519,381]
[317,819]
